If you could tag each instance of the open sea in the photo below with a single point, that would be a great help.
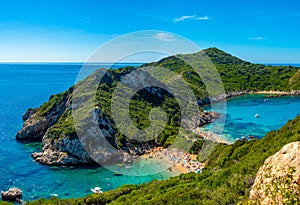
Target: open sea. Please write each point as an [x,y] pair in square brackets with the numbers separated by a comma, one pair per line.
[29,85]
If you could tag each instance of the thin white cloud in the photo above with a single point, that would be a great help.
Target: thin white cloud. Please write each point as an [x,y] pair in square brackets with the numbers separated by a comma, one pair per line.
[164,37]
[203,18]
[259,38]
[193,17]
[183,18]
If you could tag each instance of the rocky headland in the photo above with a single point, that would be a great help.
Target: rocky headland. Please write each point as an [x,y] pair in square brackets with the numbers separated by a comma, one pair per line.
[53,123]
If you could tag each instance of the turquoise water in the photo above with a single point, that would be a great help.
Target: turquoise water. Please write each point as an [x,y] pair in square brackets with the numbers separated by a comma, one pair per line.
[240,115]
[29,85]
[23,86]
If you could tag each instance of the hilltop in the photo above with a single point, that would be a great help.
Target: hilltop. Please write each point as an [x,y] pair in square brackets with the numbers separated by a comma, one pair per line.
[52,123]
[240,75]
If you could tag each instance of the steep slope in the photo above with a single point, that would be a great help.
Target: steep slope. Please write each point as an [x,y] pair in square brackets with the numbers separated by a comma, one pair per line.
[227,178]
[239,75]
[277,181]
[52,123]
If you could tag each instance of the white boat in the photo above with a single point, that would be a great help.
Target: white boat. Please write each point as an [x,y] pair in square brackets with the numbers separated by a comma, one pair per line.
[97,190]
[257,116]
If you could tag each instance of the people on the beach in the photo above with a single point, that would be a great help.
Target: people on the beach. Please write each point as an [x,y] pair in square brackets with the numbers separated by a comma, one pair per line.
[179,159]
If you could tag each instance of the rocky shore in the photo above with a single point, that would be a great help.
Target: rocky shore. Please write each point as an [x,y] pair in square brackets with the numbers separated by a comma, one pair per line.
[68,150]
[222,97]
[12,195]
[58,148]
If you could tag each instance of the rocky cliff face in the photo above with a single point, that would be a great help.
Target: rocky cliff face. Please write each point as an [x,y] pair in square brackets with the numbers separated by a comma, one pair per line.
[276,166]
[37,123]
[52,124]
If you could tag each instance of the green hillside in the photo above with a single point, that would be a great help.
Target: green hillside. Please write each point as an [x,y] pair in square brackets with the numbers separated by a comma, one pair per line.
[227,178]
[236,75]
[230,169]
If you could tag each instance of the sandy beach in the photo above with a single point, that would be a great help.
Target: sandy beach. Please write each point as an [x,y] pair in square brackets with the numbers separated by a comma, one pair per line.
[295,92]
[179,160]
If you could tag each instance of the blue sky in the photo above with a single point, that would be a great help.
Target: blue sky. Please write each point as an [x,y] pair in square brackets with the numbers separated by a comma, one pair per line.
[258,31]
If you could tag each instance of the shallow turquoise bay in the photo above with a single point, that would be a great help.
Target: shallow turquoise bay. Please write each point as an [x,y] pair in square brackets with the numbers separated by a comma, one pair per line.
[238,115]
[25,85]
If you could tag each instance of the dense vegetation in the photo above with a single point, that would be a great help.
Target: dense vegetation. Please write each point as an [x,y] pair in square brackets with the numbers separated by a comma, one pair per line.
[230,170]
[227,178]
[236,75]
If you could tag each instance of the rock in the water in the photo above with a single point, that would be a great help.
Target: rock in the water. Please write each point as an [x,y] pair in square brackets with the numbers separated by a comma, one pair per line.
[13,194]
[277,165]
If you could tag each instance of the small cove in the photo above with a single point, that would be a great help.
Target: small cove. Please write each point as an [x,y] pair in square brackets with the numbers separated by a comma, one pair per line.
[25,85]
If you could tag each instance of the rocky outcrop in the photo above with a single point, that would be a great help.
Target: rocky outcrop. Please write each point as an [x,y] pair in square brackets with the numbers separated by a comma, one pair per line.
[13,195]
[28,114]
[276,166]
[36,124]
[67,150]
[221,97]
[64,151]
[59,147]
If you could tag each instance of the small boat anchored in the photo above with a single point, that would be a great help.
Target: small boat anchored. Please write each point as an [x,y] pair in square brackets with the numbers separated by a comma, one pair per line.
[256,116]
[97,190]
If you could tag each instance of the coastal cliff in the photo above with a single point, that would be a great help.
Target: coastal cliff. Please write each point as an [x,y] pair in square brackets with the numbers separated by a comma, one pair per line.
[275,173]
[227,178]
[53,124]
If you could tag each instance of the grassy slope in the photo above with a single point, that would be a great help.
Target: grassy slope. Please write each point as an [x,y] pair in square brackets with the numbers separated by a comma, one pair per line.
[227,178]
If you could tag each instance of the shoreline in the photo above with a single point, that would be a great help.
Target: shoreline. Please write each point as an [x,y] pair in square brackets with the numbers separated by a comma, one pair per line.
[279,93]
[216,138]
[212,137]
[225,96]
[180,160]
[241,93]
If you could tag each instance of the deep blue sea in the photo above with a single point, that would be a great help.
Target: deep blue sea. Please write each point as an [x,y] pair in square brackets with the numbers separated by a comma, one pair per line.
[29,85]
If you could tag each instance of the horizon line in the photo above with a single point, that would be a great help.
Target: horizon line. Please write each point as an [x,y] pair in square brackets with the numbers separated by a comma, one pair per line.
[81,62]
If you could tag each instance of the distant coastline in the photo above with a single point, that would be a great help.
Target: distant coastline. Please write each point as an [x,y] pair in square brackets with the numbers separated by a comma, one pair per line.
[282,64]
[279,93]
[226,96]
